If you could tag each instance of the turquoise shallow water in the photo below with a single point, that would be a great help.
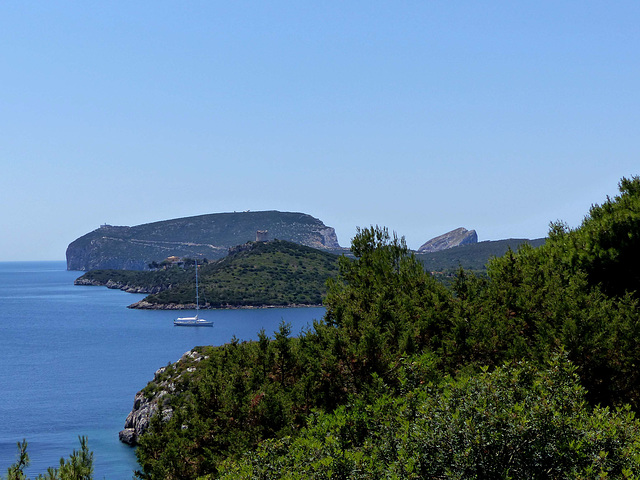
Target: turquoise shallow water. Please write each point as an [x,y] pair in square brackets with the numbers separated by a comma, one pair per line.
[72,359]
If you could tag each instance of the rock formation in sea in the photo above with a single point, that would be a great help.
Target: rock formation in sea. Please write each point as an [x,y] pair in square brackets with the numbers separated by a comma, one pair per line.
[454,238]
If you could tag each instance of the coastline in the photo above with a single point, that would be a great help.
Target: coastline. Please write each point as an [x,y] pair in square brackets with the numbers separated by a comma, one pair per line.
[144,305]
[111,284]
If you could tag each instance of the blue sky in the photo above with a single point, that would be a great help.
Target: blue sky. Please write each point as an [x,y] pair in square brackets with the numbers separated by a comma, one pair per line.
[419,116]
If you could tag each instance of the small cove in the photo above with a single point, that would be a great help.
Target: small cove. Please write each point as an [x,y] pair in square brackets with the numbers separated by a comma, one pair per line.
[73,357]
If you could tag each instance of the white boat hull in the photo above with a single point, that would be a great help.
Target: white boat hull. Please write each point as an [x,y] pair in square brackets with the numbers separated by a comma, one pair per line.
[192,322]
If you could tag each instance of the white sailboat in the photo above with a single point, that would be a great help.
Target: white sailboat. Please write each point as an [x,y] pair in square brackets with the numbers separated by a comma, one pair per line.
[193,321]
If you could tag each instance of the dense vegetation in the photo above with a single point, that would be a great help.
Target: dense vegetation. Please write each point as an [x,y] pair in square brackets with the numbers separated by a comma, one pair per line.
[255,274]
[516,422]
[243,280]
[473,257]
[143,281]
[527,372]
[263,273]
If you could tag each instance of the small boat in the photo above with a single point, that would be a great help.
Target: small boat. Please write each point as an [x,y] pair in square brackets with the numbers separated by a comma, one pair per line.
[193,321]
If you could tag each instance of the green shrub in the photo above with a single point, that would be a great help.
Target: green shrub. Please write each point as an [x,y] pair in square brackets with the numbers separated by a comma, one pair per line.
[79,465]
[515,422]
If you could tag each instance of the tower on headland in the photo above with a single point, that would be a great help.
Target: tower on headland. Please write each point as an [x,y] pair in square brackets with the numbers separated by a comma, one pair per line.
[262,235]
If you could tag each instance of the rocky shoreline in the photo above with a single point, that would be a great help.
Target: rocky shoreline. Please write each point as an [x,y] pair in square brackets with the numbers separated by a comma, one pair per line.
[119,286]
[144,305]
[154,398]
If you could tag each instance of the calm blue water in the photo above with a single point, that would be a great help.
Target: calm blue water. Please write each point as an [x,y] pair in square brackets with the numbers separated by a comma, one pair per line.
[72,358]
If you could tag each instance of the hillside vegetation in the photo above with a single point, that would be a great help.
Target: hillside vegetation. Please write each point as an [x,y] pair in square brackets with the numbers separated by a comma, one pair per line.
[138,281]
[275,273]
[527,372]
[473,257]
[263,273]
[238,283]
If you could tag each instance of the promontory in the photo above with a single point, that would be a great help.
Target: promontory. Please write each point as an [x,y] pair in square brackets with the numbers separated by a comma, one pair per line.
[204,236]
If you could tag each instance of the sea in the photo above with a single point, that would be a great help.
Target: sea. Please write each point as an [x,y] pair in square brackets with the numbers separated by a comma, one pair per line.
[73,357]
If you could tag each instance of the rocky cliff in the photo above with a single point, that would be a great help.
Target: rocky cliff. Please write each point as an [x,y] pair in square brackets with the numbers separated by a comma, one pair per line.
[204,236]
[454,238]
[154,397]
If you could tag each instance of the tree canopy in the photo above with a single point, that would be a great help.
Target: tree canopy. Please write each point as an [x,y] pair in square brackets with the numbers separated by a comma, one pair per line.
[527,372]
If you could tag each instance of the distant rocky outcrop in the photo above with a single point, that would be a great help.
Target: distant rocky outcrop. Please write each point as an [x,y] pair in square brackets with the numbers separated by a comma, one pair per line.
[204,236]
[454,238]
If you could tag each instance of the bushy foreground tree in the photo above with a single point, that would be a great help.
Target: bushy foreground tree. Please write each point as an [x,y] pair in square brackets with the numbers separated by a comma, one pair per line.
[579,291]
[518,421]
[404,378]
[382,306]
[79,465]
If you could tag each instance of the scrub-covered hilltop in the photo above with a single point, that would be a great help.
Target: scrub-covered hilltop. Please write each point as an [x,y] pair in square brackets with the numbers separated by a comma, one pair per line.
[506,375]
[204,236]
[256,274]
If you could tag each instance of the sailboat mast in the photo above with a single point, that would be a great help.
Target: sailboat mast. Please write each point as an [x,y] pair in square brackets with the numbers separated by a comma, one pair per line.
[197,298]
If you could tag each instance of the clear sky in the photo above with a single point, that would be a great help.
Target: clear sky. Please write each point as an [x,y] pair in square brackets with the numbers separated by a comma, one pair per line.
[418,116]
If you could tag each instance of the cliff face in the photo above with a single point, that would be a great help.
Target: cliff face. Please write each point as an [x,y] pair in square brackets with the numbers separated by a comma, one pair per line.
[454,238]
[154,398]
[208,236]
